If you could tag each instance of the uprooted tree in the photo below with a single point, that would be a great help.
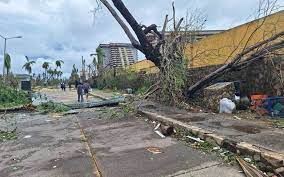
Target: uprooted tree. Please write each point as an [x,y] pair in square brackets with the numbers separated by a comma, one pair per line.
[167,51]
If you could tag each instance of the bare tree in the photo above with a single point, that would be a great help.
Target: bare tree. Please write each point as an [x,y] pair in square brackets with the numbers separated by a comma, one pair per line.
[249,54]
[142,43]
[165,52]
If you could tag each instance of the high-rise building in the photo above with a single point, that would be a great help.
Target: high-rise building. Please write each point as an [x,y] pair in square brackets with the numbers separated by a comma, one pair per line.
[118,55]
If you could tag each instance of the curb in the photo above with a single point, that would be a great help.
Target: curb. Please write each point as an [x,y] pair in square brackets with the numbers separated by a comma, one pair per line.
[268,157]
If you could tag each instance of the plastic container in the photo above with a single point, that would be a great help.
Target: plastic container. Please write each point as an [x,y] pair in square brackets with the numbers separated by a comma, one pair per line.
[274,106]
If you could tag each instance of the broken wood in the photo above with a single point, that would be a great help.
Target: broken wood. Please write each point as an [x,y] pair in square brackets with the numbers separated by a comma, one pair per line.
[249,170]
[249,55]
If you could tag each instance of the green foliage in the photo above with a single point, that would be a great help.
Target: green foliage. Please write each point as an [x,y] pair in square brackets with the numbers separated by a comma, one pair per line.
[6,136]
[51,107]
[10,97]
[45,65]
[28,65]
[101,55]
[59,63]
[204,146]
[174,79]
[7,62]
[123,80]
[74,75]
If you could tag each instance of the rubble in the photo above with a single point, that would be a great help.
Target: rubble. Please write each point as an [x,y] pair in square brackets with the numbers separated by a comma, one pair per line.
[249,170]
[214,93]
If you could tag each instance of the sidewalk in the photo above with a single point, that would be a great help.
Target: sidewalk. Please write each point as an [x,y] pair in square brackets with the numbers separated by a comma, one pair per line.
[258,139]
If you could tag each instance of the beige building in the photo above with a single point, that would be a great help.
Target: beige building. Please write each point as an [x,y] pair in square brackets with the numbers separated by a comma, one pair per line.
[118,55]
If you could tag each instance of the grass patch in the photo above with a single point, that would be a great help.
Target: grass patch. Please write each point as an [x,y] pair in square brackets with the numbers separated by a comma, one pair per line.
[204,146]
[6,136]
[51,107]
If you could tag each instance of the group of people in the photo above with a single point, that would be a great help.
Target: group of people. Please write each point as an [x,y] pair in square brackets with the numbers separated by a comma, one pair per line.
[82,88]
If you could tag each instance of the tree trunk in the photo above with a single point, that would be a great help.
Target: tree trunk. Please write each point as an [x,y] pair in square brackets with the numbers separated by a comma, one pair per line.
[144,44]
[256,52]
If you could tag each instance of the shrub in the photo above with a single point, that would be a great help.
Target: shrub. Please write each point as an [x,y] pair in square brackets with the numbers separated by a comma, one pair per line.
[10,97]
[122,80]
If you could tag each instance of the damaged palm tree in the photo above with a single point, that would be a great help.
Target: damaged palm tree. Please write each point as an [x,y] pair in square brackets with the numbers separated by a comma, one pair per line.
[166,51]
[141,31]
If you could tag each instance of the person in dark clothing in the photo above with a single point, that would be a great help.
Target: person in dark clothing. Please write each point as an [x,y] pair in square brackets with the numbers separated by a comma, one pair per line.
[86,89]
[80,92]
[63,87]
[76,83]
[70,86]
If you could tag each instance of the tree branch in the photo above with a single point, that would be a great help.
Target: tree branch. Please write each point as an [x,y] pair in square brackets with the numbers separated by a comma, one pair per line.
[234,63]
[132,39]
[133,23]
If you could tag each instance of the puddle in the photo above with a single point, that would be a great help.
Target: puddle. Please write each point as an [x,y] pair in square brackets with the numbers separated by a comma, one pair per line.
[246,129]
[241,128]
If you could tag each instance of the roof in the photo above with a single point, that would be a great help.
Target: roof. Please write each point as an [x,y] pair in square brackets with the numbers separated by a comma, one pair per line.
[116,45]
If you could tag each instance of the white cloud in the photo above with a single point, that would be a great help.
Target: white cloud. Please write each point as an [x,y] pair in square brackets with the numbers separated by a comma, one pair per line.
[62,29]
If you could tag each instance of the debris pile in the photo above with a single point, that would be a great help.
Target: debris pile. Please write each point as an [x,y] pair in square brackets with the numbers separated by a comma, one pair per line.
[214,93]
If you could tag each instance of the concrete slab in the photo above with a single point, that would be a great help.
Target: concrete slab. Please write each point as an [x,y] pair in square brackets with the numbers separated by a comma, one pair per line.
[46,146]
[256,132]
[68,97]
[270,140]
[210,170]
[120,147]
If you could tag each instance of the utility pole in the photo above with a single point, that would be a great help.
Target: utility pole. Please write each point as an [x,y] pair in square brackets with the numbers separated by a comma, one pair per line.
[83,69]
[4,50]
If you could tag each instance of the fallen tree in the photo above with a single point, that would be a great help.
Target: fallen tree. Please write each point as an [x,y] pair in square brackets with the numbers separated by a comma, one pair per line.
[167,52]
[142,44]
[244,59]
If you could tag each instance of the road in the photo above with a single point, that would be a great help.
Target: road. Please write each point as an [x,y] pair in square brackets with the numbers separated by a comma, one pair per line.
[105,142]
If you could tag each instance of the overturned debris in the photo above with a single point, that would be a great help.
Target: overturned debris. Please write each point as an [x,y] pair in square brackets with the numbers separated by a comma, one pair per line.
[111,102]
[249,170]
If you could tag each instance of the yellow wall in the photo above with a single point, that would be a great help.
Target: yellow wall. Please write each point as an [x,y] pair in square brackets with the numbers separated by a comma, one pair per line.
[220,48]
[144,66]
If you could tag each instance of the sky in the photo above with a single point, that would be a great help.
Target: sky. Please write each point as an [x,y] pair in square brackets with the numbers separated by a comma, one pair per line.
[66,29]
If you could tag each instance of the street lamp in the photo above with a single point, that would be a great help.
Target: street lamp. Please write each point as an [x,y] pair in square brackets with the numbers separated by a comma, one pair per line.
[4,53]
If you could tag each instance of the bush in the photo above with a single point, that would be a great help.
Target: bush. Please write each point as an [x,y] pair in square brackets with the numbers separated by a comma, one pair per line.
[51,107]
[139,82]
[10,97]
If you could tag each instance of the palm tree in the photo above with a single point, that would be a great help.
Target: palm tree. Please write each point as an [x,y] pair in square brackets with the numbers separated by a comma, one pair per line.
[45,66]
[51,73]
[59,74]
[28,65]
[59,63]
[89,70]
[7,63]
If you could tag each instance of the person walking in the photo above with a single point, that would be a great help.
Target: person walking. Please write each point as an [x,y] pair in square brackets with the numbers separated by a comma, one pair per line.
[70,86]
[63,87]
[76,83]
[86,89]
[80,92]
